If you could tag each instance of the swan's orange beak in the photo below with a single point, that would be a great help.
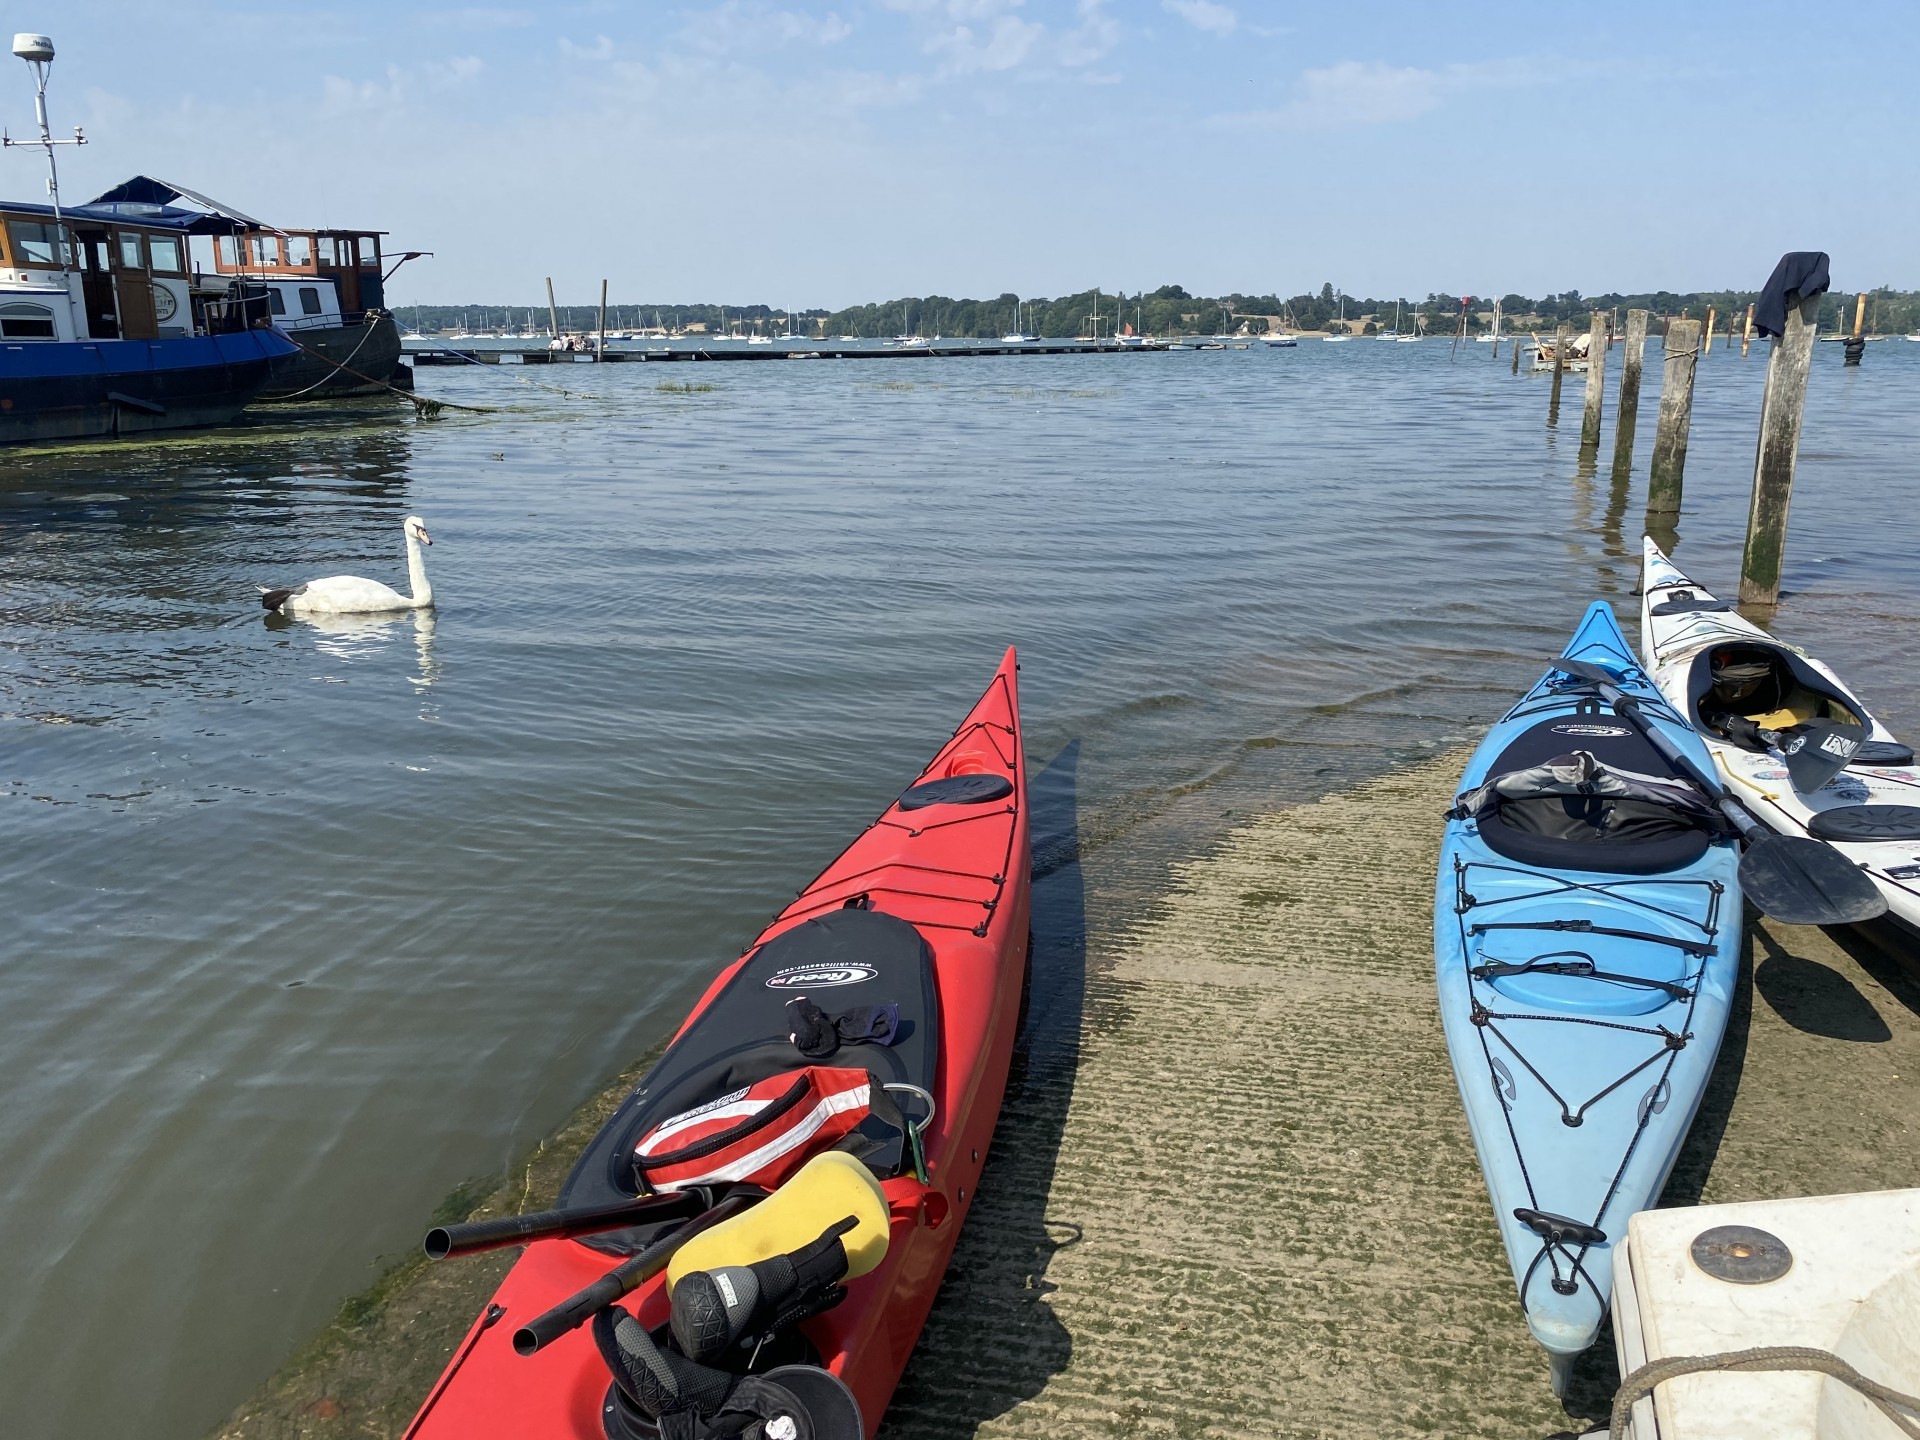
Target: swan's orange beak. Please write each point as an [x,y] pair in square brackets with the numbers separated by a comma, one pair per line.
[425,539]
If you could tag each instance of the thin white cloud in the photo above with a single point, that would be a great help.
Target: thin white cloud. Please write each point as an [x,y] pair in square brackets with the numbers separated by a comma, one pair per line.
[1358,93]
[1001,45]
[485,18]
[1096,35]
[601,49]
[1204,15]
[400,84]
[747,25]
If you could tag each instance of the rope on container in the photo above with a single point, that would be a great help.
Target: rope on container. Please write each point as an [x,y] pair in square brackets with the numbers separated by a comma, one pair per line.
[1640,1383]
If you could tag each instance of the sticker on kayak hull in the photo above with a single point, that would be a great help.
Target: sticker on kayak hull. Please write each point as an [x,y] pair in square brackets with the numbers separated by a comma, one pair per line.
[1579,727]
[819,977]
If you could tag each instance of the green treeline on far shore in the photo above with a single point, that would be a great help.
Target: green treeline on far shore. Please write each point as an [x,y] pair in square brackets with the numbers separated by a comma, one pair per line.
[1170,310]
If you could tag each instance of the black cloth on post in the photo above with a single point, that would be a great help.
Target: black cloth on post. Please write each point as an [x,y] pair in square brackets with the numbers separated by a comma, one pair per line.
[1800,275]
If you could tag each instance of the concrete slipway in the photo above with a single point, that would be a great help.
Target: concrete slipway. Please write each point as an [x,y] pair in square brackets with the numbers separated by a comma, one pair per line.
[1232,1193]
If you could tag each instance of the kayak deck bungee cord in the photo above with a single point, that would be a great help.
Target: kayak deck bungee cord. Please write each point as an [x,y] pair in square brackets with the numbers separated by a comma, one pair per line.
[1586,937]
[751,1243]
[1863,800]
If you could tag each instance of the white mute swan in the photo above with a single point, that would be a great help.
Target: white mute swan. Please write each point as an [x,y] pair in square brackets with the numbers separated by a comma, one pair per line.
[350,595]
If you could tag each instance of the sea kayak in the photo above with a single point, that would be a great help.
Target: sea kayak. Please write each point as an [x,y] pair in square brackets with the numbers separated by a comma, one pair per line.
[805,1151]
[1869,810]
[1586,936]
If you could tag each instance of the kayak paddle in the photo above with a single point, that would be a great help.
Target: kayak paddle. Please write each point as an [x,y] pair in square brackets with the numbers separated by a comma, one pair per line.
[477,1235]
[1818,750]
[1795,880]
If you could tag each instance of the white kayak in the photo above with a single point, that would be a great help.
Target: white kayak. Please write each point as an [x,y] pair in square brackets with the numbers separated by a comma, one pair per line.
[1869,810]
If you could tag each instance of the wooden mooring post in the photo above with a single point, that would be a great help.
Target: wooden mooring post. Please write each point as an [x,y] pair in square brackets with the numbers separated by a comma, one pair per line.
[1665,476]
[1516,354]
[1596,382]
[600,335]
[1746,335]
[1706,344]
[1777,455]
[553,313]
[1856,345]
[1562,337]
[1631,359]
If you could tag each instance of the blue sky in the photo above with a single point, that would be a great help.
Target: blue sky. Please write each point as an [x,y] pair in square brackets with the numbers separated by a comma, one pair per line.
[809,153]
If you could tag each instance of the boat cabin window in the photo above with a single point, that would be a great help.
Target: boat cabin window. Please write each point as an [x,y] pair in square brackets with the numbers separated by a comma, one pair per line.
[21,321]
[276,302]
[266,250]
[132,255]
[369,252]
[330,253]
[165,250]
[299,250]
[35,242]
[228,247]
[309,300]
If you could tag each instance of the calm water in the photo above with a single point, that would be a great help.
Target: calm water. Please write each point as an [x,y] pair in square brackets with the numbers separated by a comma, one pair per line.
[307,925]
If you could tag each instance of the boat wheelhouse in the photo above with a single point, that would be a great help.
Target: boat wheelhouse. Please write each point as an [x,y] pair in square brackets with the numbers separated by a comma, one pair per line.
[325,288]
[103,332]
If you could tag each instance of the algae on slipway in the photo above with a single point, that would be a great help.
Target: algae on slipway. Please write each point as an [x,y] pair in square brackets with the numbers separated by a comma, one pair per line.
[1232,1189]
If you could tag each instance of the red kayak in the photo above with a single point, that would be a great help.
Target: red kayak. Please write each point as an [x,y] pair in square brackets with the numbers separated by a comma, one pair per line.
[788,1182]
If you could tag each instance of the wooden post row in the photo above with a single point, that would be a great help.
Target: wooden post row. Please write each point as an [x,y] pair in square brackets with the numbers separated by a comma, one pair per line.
[1665,477]
[1596,382]
[1631,359]
[1777,455]
[1562,337]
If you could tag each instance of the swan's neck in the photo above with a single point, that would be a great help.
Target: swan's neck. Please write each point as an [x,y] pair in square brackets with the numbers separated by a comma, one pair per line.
[417,574]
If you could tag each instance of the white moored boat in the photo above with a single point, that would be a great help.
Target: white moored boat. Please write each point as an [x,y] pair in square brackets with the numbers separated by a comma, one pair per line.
[1766,739]
[1830,1283]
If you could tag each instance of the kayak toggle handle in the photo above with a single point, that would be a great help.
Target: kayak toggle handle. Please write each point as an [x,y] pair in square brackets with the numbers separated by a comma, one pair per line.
[1559,1229]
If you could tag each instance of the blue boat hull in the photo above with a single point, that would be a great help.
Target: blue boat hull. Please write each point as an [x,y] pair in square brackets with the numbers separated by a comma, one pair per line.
[97,388]
[1579,1088]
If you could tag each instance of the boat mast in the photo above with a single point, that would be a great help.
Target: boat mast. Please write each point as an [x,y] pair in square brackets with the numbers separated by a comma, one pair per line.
[37,51]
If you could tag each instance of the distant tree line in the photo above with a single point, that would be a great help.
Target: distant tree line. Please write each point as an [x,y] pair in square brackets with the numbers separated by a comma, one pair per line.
[1170,310]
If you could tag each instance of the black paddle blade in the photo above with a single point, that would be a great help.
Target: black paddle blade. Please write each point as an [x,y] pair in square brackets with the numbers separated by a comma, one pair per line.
[1818,750]
[1803,882]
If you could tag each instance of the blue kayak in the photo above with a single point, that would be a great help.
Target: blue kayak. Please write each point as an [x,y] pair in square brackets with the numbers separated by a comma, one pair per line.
[1587,936]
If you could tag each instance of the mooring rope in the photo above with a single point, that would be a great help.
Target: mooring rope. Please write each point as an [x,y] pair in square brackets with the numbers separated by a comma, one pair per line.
[427,407]
[1888,1401]
[338,366]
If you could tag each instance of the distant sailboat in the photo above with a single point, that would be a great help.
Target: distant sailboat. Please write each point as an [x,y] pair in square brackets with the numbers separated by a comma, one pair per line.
[1018,335]
[1494,338]
[1416,335]
[1394,333]
[1343,336]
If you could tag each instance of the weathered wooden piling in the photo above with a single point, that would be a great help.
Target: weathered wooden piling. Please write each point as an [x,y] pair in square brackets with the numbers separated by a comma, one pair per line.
[1706,344]
[1664,479]
[1631,359]
[1516,355]
[553,313]
[1746,335]
[1596,382]
[1777,455]
[1561,338]
[600,335]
